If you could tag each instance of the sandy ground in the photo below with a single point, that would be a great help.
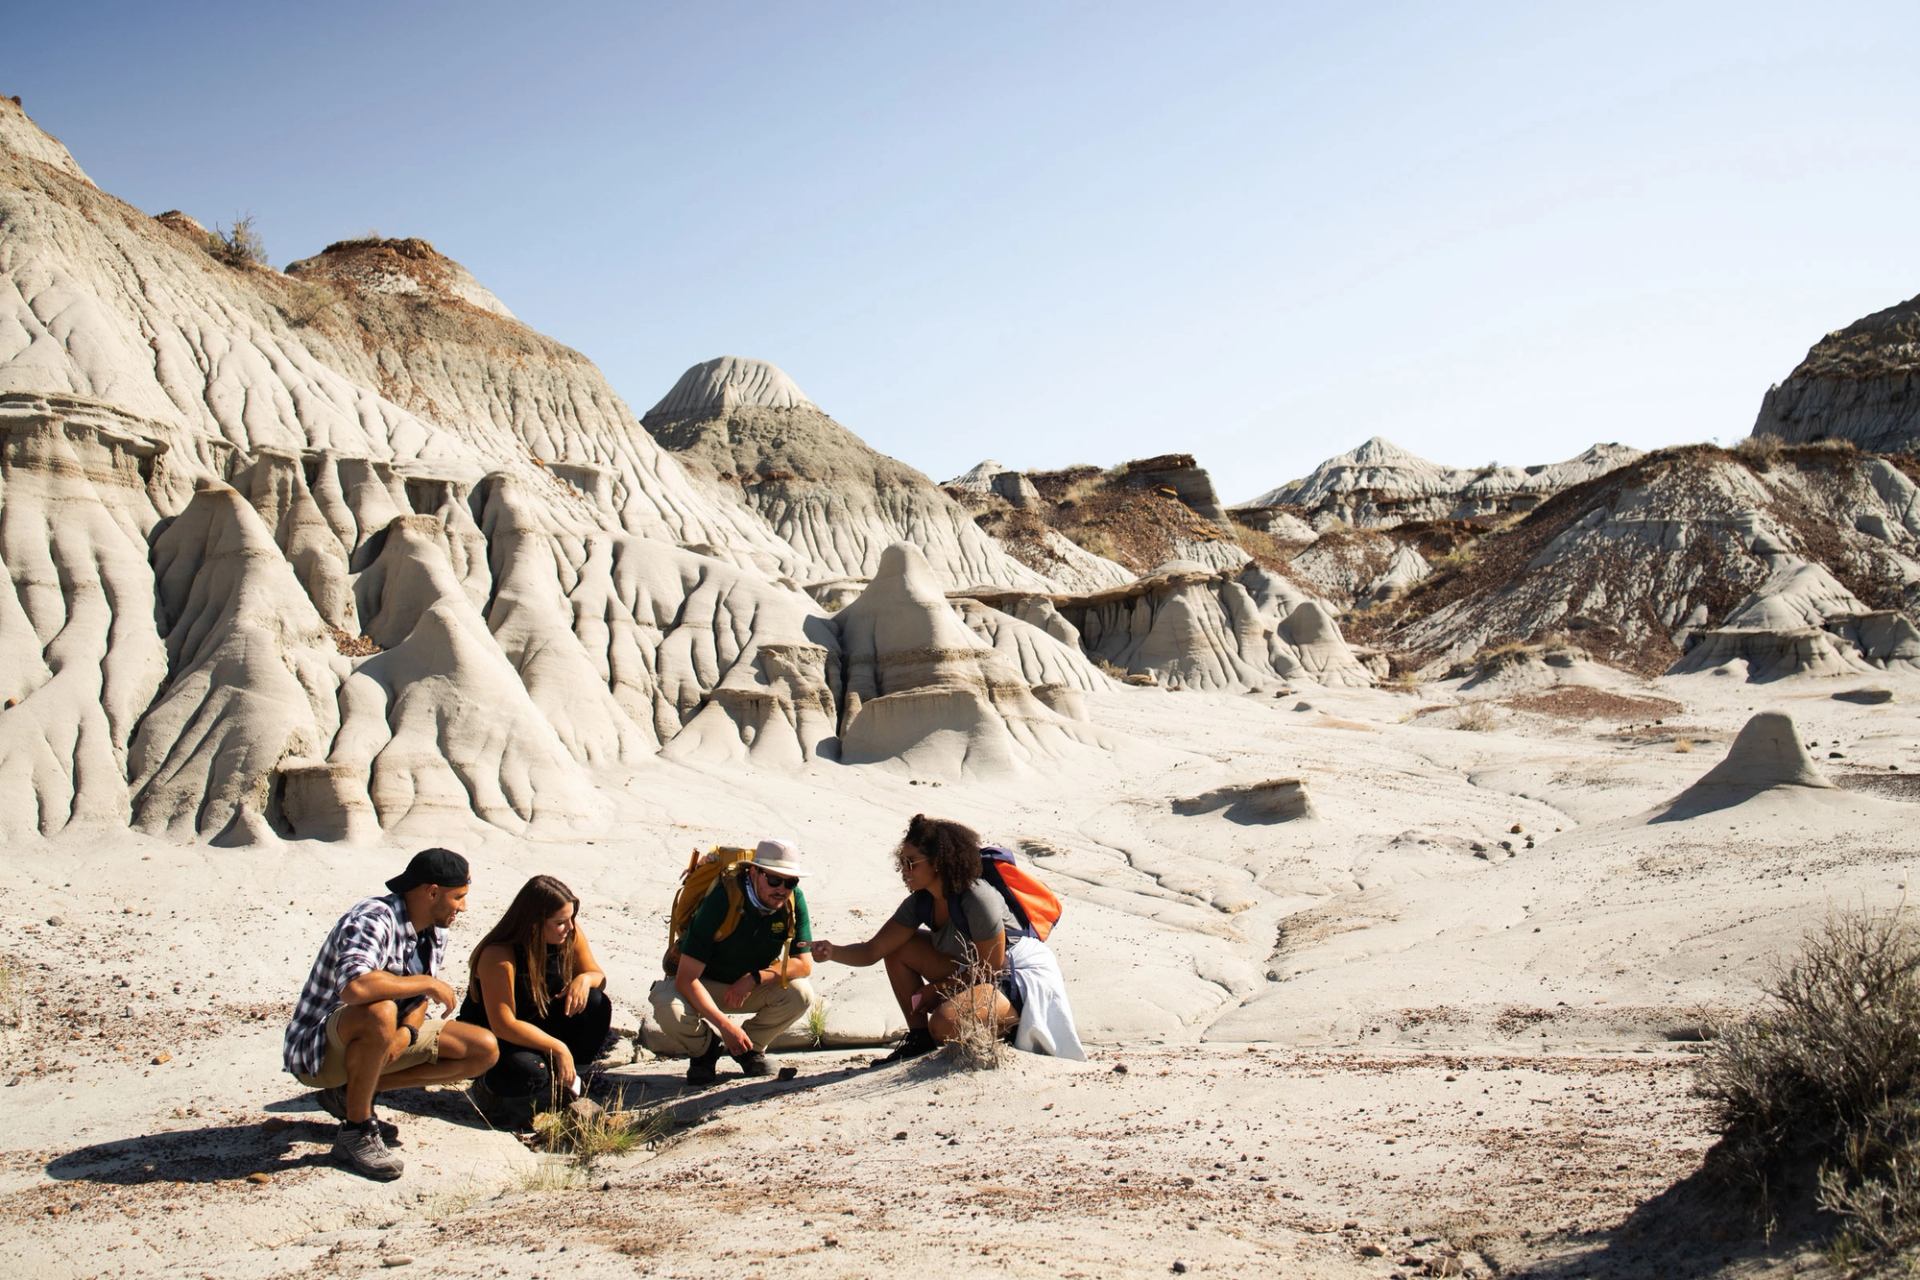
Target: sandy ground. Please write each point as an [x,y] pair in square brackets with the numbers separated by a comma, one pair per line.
[1397,1036]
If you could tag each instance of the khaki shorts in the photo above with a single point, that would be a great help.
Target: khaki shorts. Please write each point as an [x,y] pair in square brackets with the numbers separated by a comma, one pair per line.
[333,1068]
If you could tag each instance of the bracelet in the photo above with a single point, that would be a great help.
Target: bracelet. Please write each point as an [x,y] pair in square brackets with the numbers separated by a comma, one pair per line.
[413,1035]
[757,978]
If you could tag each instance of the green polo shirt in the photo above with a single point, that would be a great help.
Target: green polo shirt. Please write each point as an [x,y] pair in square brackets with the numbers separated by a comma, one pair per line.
[754,943]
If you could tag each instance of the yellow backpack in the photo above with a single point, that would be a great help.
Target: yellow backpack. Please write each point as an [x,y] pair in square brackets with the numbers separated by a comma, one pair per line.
[720,865]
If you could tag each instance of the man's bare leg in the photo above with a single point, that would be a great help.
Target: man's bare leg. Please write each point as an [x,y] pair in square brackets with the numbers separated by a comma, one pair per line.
[466,1051]
[372,1038]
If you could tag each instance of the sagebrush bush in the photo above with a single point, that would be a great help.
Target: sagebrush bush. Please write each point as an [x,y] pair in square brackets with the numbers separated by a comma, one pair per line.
[1825,1078]
[239,245]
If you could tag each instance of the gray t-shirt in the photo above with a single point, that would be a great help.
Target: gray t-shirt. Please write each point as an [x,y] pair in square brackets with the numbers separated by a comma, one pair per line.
[981,907]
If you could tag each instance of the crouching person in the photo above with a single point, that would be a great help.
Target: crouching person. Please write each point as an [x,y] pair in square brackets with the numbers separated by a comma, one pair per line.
[537,987]
[361,1024]
[744,950]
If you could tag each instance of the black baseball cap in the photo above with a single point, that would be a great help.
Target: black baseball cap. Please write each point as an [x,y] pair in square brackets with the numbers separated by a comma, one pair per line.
[432,866]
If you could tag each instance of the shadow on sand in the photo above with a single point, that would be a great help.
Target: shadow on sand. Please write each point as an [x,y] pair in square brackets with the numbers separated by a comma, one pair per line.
[1694,1229]
[224,1153]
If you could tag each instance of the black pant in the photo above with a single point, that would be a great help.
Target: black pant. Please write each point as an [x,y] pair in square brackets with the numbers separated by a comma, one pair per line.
[523,1072]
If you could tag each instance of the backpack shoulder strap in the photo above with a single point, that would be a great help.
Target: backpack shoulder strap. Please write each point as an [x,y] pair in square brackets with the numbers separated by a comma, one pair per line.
[736,904]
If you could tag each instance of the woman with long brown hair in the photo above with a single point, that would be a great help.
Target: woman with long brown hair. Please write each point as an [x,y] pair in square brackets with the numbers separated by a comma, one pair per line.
[955,952]
[536,985]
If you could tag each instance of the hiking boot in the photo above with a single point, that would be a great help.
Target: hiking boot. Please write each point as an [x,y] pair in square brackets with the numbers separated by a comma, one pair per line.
[700,1067]
[360,1149]
[502,1111]
[753,1063]
[334,1103]
[918,1041]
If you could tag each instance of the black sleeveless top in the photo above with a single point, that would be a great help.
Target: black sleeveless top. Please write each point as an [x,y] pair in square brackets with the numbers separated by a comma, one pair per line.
[472,1010]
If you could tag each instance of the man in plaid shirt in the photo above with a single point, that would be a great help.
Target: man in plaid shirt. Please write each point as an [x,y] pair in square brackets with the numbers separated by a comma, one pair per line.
[361,1024]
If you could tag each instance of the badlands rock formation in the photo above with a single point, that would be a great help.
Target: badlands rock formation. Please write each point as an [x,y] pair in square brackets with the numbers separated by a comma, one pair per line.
[1779,559]
[1187,626]
[1379,485]
[925,690]
[745,427]
[350,552]
[1860,384]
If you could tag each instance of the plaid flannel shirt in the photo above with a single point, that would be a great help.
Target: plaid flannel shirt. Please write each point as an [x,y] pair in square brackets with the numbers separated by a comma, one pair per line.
[375,934]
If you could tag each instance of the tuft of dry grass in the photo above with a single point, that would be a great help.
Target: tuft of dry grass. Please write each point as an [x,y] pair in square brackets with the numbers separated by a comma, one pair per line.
[817,1023]
[588,1132]
[1476,717]
[1683,746]
[1826,1077]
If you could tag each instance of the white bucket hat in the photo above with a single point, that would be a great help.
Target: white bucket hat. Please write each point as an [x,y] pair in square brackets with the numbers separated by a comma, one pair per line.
[781,857]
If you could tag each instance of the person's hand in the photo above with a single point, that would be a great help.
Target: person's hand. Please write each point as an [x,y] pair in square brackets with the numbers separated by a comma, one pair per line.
[735,996]
[823,952]
[738,1042]
[440,993]
[563,1071]
[577,994]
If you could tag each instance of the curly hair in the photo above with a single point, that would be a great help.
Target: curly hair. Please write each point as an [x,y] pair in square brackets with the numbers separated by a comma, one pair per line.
[522,931]
[953,851]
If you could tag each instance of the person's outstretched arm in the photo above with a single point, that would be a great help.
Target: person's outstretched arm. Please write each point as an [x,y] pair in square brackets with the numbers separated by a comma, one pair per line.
[892,936]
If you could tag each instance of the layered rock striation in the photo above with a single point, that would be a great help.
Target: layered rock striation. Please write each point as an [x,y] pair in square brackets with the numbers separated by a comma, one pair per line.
[1860,384]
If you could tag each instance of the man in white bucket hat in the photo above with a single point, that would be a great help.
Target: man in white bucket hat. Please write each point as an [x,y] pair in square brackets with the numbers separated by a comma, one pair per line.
[745,950]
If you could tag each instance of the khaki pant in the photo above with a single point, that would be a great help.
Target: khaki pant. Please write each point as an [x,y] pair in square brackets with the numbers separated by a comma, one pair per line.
[333,1068]
[769,1010]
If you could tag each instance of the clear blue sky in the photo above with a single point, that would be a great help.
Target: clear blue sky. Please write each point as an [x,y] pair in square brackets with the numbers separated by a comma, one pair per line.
[1062,233]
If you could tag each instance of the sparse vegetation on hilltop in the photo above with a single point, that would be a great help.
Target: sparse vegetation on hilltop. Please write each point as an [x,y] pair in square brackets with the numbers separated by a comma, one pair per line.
[239,245]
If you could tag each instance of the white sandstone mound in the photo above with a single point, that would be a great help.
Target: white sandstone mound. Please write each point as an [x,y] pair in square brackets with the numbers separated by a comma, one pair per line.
[923,689]
[252,681]
[1191,627]
[1859,384]
[82,657]
[1766,756]
[1275,800]
[1762,654]
[747,430]
[1041,656]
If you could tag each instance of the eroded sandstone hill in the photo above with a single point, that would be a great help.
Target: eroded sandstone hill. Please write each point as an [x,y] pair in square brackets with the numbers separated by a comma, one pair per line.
[746,428]
[1379,485]
[1783,560]
[1860,384]
[349,552]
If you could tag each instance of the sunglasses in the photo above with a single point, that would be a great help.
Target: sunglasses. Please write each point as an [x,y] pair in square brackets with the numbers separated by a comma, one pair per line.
[779,882]
[908,864]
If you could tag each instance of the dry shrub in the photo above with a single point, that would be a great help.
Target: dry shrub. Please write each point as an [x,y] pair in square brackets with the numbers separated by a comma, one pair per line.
[13,994]
[239,245]
[977,1044]
[1826,1078]
[1683,746]
[307,301]
[817,1023]
[1476,717]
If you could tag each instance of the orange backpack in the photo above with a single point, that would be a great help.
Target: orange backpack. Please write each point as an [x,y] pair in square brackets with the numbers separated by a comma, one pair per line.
[1033,904]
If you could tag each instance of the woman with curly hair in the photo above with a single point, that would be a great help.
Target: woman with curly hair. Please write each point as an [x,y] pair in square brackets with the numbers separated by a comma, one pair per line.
[535,984]
[955,952]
